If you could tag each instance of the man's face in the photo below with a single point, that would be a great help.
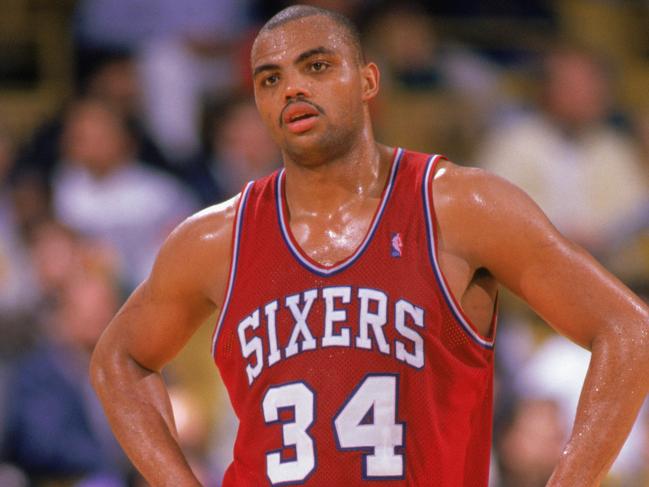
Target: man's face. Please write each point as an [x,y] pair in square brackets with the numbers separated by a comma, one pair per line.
[95,139]
[577,92]
[310,88]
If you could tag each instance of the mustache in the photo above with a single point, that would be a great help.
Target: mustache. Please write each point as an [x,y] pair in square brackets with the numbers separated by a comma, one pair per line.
[301,100]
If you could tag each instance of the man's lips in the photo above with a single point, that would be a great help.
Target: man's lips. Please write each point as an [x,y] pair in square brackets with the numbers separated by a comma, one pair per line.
[299,116]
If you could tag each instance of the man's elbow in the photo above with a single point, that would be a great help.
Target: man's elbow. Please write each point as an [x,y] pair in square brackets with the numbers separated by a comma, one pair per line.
[98,370]
[108,367]
[626,344]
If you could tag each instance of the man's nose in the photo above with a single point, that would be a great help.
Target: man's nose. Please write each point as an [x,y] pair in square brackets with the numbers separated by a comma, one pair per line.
[296,88]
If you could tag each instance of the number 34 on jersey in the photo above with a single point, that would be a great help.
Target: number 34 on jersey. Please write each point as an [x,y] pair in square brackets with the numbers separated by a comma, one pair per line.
[366,421]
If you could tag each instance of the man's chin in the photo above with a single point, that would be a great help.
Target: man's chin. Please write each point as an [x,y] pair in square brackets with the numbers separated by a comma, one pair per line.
[314,149]
[303,143]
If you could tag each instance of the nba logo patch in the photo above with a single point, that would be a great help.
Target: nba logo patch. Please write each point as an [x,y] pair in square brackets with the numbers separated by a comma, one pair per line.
[396,245]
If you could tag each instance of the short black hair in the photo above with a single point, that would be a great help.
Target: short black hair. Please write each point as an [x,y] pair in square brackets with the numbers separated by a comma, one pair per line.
[296,12]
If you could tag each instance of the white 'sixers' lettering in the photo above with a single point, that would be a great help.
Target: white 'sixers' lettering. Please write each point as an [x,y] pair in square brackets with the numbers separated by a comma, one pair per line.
[374,315]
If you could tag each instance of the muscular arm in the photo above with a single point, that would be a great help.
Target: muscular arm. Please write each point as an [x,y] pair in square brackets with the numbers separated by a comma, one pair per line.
[184,288]
[488,223]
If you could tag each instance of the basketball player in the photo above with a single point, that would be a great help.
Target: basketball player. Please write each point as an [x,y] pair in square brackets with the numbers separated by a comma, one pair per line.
[356,291]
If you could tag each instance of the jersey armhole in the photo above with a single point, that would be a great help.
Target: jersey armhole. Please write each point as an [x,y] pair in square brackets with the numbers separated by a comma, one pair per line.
[432,242]
[234,256]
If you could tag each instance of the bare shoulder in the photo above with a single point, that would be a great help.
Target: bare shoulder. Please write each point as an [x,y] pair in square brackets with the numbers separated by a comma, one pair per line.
[478,211]
[206,228]
[460,188]
[197,252]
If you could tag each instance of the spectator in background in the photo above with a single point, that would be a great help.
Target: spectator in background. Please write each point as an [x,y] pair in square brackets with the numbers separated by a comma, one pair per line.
[404,37]
[239,149]
[525,462]
[55,249]
[55,429]
[17,296]
[102,191]
[112,79]
[583,172]
[629,256]
[185,51]
[52,255]
[16,283]
[437,95]
[554,374]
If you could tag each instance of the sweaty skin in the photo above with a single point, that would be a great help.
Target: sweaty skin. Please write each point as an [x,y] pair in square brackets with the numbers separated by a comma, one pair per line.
[490,232]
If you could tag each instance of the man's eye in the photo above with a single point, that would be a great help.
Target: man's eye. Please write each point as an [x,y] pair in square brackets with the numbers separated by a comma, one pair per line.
[270,80]
[319,66]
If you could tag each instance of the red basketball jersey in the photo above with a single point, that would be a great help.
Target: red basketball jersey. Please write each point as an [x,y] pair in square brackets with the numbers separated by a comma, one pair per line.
[364,372]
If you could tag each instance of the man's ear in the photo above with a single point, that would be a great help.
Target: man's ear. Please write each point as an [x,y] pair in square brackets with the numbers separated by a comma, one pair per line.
[371,76]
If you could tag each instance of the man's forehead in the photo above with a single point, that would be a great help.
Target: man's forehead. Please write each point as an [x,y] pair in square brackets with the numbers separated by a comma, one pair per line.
[296,36]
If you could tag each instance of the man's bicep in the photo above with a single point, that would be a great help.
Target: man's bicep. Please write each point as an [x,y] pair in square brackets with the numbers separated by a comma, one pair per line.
[151,327]
[557,278]
[566,287]
[182,291]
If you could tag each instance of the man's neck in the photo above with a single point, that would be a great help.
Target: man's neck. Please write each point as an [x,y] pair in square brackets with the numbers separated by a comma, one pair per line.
[355,176]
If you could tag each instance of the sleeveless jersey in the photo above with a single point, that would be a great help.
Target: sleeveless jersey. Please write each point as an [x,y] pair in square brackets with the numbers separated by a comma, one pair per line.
[365,372]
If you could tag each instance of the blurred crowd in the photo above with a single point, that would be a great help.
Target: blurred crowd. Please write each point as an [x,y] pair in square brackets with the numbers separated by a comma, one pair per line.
[162,123]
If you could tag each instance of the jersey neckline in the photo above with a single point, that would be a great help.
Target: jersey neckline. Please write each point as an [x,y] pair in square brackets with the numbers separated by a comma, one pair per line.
[294,248]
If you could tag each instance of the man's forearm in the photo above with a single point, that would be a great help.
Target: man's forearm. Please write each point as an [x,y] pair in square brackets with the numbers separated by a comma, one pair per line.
[613,392]
[138,408]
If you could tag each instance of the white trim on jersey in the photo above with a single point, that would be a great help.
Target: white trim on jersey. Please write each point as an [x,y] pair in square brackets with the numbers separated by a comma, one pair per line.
[298,253]
[455,308]
[233,264]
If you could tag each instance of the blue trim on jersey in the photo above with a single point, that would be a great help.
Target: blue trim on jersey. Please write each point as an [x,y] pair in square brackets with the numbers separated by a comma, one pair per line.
[432,253]
[233,266]
[297,253]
